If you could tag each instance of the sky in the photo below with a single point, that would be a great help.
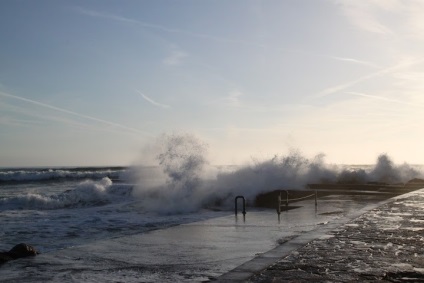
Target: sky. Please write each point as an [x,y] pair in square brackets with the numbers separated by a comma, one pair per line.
[94,83]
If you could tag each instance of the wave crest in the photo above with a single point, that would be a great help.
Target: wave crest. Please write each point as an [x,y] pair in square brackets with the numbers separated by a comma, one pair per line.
[88,193]
[183,159]
[39,175]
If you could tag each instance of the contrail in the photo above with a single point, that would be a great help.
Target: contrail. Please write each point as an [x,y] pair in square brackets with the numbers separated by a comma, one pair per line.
[152,101]
[97,14]
[383,98]
[122,19]
[332,57]
[388,70]
[74,113]
[351,60]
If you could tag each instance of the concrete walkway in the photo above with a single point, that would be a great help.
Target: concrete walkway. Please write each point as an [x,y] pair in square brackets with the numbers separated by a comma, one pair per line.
[196,251]
[384,244]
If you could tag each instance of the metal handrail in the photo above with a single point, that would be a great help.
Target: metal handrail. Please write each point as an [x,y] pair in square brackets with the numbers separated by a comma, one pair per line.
[244,204]
[296,199]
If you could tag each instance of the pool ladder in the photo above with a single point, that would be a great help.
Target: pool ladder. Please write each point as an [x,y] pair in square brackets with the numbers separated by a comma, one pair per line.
[244,205]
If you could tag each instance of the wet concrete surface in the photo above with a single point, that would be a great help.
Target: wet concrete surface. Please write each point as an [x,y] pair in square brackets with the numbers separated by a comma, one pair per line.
[385,244]
[194,252]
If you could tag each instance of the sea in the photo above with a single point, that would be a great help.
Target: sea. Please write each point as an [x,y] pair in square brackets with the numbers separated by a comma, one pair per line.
[62,208]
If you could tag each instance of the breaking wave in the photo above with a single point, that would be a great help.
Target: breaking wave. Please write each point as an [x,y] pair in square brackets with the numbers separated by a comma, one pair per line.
[88,193]
[182,158]
[183,181]
[58,174]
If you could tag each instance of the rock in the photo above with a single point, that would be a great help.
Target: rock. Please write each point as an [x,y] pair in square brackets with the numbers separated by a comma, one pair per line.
[18,251]
[5,257]
[22,250]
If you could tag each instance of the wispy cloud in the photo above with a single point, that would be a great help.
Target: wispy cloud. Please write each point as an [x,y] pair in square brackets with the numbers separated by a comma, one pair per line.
[148,99]
[233,98]
[386,17]
[109,123]
[365,15]
[367,22]
[176,58]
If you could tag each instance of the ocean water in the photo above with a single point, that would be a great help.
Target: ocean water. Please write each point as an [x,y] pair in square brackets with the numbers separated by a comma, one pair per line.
[56,209]
[59,208]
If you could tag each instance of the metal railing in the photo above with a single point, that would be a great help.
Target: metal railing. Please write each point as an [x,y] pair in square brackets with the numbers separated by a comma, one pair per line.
[287,200]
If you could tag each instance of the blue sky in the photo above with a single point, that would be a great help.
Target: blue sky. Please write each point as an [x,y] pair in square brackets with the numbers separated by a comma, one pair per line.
[94,82]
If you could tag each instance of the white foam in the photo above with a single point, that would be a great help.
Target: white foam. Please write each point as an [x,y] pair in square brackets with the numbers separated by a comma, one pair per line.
[28,175]
[87,193]
[182,160]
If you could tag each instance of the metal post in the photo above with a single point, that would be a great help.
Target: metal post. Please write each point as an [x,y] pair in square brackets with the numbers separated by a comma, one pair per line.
[316,196]
[279,204]
[287,200]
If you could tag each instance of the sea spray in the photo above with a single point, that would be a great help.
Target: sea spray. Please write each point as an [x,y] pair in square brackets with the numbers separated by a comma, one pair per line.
[386,171]
[182,161]
[182,158]
[292,171]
